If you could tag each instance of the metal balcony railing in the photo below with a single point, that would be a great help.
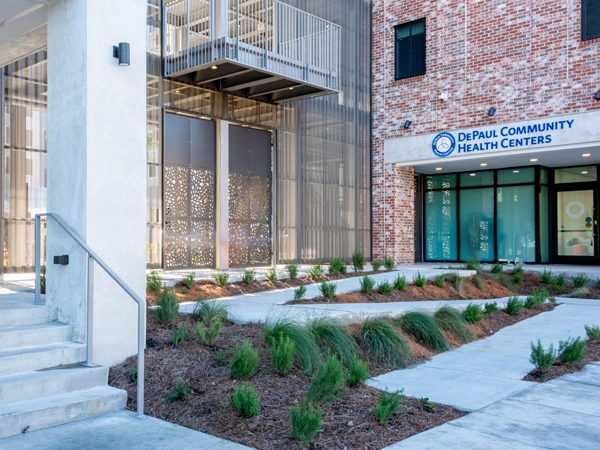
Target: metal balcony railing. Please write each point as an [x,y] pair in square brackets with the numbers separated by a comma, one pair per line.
[218,39]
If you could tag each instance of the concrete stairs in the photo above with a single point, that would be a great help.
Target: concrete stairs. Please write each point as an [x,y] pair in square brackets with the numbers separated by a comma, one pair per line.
[42,380]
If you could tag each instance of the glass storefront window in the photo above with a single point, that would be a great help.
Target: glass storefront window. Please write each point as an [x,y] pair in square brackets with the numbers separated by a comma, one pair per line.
[477,179]
[544,233]
[575,175]
[516,176]
[515,206]
[440,181]
[477,225]
[440,231]
[543,176]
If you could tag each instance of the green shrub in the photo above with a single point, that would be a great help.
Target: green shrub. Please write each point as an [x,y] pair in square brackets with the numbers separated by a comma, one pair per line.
[336,266]
[558,283]
[367,284]
[489,308]
[450,319]
[593,332]
[380,339]
[249,276]
[292,270]
[496,268]
[178,336]
[473,313]
[206,311]
[376,264]
[358,261]
[221,356]
[153,282]
[517,277]
[316,272]
[208,335]
[400,283]
[282,354]
[384,288]
[424,329]
[189,280]
[518,269]
[536,298]
[327,381]
[514,305]
[132,374]
[331,337]
[184,290]
[244,361]
[458,282]
[581,280]
[245,400]
[473,265]
[419,279]
[221,277]
[167,306]
[358,372]
[478,282]
[571,350]
[328,289]
[43,281]
[546,276]
[503,280]
[388,262]
[181,391]
[271,275]
[426,404]
[540,358]
[306,421]
[299,293]
[306,349]
[439,281]
[387,405]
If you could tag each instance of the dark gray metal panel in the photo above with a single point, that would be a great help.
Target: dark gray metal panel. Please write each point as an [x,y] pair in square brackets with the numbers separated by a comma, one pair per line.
[177,140]
[249,150]
[203,143]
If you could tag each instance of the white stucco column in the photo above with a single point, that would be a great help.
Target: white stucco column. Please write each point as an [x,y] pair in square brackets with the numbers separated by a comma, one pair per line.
[97,165]
[222,194]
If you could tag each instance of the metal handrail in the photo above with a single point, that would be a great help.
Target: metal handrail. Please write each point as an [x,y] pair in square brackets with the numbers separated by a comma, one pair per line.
[92,256]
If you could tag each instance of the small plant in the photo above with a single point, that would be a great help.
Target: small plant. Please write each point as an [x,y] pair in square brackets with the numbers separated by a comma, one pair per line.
[358,372]
[306,348]
[558,283]
[450,319]
[181,391]
[478,282]
[518,269]
[426,404]
[581,280]
[306,421]
[132,374]
[249,276]
[388,404]
[496,268]
[367,284]
[514,305]
[271,275]
[178,336]
[593,332]
[221,356]
[189,280]
[490,308]
[376,264]
[358,261]
[337,266]
[384,288]
[328,289]
[517,277]
[299,293]
[473,265]
[473,313]
[419,280]
[331,337]
[153,282]
[424,329]
[439,281]
[282,354]
[43,281]
[535,299]
[184,290]
[316,272]
[221,277]
[458,281]
[207,310]
[388,262]
[245,400]
[400,283]
[244,361]
[571,350]
[546,276]
[540,358]
[327,381]
[379,338]
[208,335]
[292,270]
[167,306]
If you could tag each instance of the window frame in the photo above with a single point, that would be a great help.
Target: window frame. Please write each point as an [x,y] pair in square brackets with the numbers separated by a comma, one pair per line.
[396,61]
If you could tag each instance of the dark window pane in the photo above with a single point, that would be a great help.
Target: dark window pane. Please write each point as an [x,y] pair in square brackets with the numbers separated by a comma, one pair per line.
[590,19]
[410,50]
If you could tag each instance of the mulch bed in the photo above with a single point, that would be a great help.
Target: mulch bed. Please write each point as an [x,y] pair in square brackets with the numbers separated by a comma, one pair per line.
[347,423]
[532,283]
[592,350]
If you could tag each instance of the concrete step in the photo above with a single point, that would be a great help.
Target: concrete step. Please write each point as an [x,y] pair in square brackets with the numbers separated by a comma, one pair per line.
[30,359]
[45,383]
[38,413]
[26,315]
[30,335]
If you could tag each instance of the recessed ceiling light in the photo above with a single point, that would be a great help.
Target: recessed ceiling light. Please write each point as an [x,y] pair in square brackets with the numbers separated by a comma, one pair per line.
[214,67]
[472,174]
[585,155]
[585,171]
[515,171]
[177,91]
[483,164]
[291,89]
[533,160]
[438,168]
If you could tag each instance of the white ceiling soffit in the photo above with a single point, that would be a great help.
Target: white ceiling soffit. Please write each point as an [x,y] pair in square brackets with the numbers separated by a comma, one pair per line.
[22,28]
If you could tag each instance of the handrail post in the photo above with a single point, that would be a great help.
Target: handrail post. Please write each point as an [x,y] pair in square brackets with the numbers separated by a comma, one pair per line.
[90,312]
[38,269]
[140,364]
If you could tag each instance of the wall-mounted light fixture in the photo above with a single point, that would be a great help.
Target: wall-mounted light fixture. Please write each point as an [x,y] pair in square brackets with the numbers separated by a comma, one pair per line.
[597,96]
[491,111]
[407,124]
[121,52]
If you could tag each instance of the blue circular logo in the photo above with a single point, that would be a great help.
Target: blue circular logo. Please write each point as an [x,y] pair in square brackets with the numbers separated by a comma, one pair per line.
[443,144]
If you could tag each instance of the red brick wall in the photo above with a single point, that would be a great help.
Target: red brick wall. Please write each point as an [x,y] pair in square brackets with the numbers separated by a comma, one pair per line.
[523,57]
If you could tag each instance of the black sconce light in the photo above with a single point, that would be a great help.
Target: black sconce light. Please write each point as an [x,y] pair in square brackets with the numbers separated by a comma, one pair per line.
[597,96]
[407,124]
[121,52]
[491,111]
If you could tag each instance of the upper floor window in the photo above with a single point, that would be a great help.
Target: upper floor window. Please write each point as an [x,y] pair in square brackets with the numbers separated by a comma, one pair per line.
[410,49]
[590,19]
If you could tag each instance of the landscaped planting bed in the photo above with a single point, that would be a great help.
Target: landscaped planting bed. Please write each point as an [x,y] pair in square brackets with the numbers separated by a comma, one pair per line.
[191,384]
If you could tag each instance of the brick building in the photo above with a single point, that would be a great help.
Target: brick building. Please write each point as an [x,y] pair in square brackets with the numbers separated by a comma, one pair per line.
[485,130]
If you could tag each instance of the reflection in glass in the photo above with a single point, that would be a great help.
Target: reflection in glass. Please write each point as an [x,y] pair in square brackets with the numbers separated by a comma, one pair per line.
[575,223]
[440,226]
[516,223]
[477,225]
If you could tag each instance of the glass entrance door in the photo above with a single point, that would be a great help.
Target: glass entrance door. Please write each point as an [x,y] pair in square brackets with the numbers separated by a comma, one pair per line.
[576,227]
